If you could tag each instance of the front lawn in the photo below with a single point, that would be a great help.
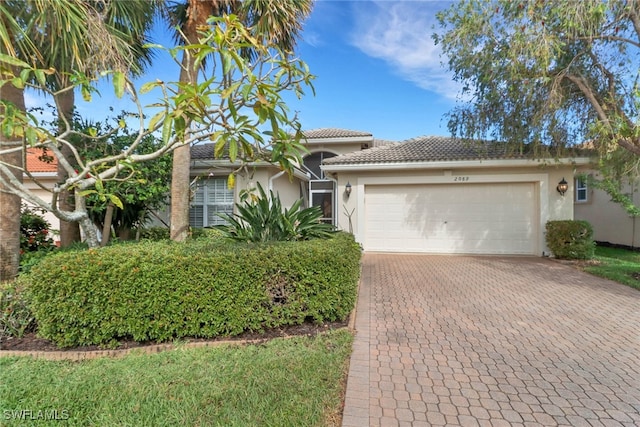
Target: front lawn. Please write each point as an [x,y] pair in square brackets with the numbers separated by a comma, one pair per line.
[284,382]
[620,265]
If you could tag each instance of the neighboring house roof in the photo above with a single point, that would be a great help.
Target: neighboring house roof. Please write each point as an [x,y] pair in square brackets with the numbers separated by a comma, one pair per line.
[431,149]
[327,133]
[41,161]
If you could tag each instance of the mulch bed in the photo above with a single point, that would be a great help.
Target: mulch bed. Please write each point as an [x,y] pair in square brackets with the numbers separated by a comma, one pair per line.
[31,342]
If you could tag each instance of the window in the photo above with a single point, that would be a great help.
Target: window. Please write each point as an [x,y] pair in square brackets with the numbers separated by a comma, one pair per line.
[582,192]
[212,197]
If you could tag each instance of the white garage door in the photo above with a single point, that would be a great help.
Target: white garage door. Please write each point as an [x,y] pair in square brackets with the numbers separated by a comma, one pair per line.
[497,218]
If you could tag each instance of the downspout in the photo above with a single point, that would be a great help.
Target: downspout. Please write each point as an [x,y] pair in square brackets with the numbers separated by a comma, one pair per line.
[273,178]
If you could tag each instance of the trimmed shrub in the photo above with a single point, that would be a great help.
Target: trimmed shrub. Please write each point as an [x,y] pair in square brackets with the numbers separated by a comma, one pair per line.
[206,233]
[163,233]
[570,239]
[15,317]
[155,233]
[159,291]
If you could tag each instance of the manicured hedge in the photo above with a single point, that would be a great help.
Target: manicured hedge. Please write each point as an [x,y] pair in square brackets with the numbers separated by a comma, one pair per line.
[159,291]
[570,239]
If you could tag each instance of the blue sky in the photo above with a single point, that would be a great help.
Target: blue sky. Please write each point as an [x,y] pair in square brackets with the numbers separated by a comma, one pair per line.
[376,67]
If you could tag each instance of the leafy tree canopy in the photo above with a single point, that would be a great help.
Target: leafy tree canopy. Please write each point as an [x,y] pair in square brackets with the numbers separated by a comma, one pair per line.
[232,106]
[549,74]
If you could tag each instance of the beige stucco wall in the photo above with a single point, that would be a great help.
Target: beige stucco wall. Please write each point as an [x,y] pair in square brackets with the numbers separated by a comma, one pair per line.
[287,188]
[552,204]
[611,223]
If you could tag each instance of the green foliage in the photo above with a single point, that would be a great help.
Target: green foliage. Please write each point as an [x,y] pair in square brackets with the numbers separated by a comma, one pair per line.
[203,288]
[206,233]
[263,219]
[163,233]
[155,233]
[551,75]
[16,318]
[136,189]
[35,242]
[570,239]
[231,105]
[34,231]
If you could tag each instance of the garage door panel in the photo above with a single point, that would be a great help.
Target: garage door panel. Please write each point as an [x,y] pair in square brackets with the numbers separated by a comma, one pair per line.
[470,218]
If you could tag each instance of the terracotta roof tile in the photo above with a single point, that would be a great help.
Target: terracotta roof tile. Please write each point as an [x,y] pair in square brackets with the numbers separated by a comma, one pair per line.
[39,160]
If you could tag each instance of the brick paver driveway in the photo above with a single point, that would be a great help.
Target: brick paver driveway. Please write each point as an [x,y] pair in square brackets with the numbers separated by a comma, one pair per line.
[447,340]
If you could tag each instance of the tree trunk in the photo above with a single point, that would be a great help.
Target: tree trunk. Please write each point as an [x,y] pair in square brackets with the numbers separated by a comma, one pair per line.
[69,231]
[106,227]
[88,227]
[179,223]
[10,203]
[180,193]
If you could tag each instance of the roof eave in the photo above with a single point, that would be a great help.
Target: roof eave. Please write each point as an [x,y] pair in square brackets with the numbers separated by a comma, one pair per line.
[455,164]
[48,174]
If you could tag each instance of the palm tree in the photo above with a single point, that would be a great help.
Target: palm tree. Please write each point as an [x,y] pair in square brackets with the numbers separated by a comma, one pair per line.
[89,37]
[12,40]
[279,22]
[68,35]
[10,203]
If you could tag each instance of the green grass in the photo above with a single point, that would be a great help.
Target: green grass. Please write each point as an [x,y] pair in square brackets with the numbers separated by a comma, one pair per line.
[616,264]
[284,382]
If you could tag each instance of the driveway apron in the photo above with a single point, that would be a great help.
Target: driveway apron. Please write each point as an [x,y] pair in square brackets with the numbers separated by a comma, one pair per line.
[489,341]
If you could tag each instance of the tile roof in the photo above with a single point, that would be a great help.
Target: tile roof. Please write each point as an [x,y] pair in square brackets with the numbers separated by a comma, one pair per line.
[205,151]
[39,160]
[382,142]
[429,149]
[202,151]
[334,133]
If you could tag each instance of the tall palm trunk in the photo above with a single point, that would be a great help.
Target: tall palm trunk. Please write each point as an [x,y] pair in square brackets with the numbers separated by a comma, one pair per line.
[180,191]
[197,12]
[10,212]
[69,231]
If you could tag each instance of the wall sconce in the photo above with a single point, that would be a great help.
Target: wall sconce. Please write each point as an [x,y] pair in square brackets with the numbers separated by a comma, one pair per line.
[562,187]
[347,189]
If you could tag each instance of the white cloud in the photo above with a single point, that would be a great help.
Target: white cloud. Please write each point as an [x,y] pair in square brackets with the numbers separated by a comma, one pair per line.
[399,33]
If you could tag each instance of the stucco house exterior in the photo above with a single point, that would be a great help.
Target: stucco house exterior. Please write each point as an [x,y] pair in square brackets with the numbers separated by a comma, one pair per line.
[427,194]
[611,223]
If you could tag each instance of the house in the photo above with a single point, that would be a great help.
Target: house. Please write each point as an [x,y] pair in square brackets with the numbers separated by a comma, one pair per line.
[43,167]
[427,194]
[611,223]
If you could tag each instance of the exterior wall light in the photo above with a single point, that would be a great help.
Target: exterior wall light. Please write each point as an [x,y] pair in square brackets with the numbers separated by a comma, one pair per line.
[347,189]
[562,187]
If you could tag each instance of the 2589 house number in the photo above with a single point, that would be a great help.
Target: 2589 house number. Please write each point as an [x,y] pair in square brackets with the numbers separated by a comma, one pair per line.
[460,178]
